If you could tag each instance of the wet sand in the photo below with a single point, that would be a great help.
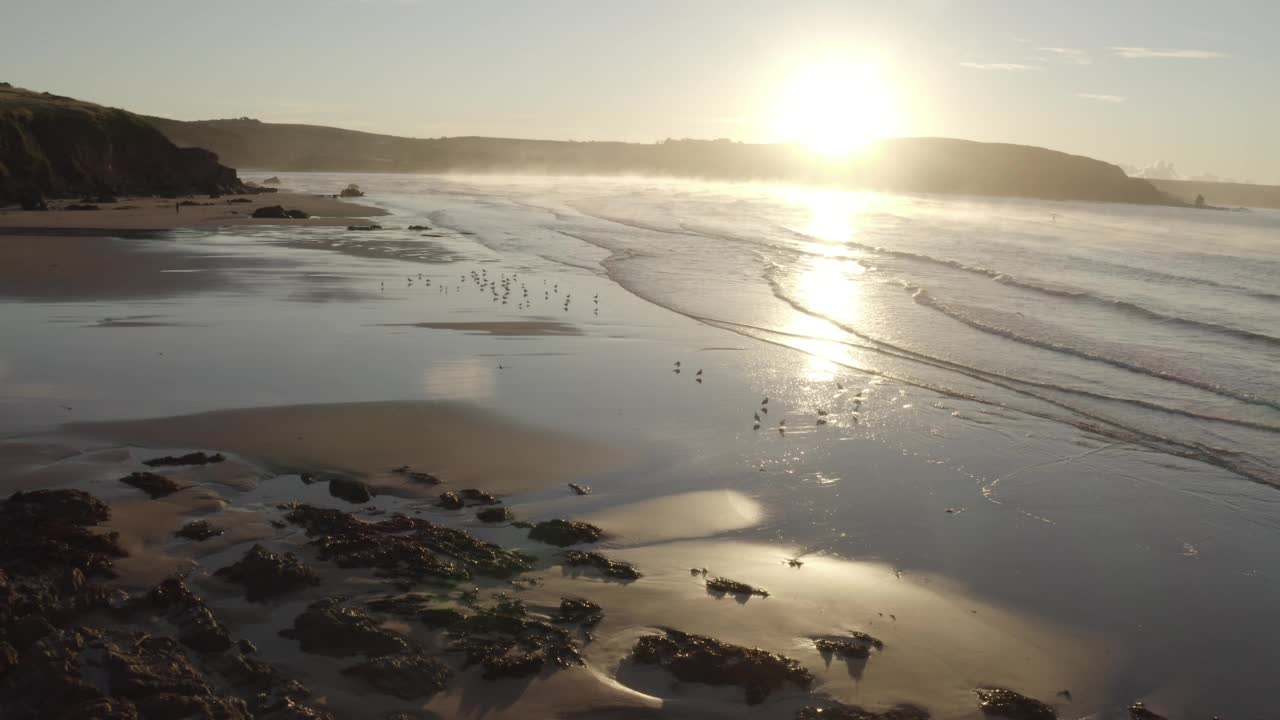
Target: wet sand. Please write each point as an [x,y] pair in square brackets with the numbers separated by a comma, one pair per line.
[504,329]
[66,255]
[463,446]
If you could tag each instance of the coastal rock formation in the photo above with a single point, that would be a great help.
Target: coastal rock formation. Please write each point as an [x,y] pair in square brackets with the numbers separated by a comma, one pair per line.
[61,147]
[328,628]
[611,568]
[696,658]
[195,458]
[349,489]
[564,533]
[266,574]
[155,486]
[279,212]
[407,677]
[1009,705]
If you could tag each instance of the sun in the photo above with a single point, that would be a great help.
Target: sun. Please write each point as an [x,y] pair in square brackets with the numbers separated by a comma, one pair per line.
[836,108]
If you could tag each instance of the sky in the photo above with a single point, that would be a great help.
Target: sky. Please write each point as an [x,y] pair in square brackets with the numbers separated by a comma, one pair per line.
[1172,87]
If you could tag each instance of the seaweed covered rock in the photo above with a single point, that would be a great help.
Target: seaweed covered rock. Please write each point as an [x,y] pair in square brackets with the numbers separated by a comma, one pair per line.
[197,627]
[840,711]
[198,530]
[349,489]
[857,645]
[88,673]
[46,530]
[265,574]
[611,568]
[352,190]
[697,658]
[195,458]
[733,587]
[407,677]
[155,486]
[506,642]
[563,533]
[401,546]
[476,496]
[495,515]
[449,500]
[1009,705]
[328,628]
[579,611]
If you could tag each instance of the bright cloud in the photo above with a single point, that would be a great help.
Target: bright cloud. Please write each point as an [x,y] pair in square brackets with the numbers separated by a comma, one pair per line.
[999,66]
[1145,53]
[1100,97]
[1071,55]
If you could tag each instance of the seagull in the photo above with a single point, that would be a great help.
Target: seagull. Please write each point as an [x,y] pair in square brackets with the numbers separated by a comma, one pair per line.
[822,413]
[839,386]
[699,373]
[757,416]
[756,426]
[764,401]
[677,363]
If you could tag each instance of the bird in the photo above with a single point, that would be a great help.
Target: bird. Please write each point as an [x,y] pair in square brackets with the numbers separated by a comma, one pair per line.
[839,386]
[699,380]
[782,422]
[822,421]
[764,401]
[822,413]
[699,373]
[756,426]
[677,363]
[757,416]
[764,410]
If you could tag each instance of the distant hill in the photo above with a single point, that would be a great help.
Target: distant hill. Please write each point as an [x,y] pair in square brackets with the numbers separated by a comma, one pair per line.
[903,165]
[1222,193]
[59,146]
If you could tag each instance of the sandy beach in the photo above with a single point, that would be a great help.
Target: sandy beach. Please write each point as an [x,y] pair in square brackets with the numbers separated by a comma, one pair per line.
[409,412]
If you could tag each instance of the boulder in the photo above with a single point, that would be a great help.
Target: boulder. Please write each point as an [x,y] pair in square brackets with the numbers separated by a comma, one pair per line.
[328,628]
[349,489]
[351,190]
[156,486]
[407,677]
[271,212]
[266,574]
[563,533]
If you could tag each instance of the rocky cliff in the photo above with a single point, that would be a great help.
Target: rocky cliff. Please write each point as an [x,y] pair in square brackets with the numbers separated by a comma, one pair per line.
[59,146]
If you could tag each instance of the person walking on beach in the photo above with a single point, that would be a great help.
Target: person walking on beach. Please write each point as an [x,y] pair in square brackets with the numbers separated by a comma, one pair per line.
[177,208]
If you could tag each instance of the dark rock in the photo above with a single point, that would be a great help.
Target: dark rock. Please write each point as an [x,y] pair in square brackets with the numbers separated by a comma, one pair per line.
[611,568]
[273,180]
[1007,704]
[419,227]
[495,515]
[579,611]
[478,497]
[840,711]
[266,574]
[401,546]
[1137,711]
[246,647]
[440,617]
[579,489]
[81,206]
[271,211]
[563,533]
[298,214]
[47,530]
[8,658]
[696,658]
[195,458]
[733,587]
[198,530]
[238,201]
[327,628]
[351,190]
[488,637]
[156,486]
[349,489]
[858,645]
[407,677]
[450,501]
[364,227]
[198,629]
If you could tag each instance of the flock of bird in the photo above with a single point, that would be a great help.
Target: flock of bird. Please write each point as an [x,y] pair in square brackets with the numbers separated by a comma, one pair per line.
[500,289]
[822,414]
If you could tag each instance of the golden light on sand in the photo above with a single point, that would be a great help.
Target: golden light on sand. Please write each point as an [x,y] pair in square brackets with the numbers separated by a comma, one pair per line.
[836,107]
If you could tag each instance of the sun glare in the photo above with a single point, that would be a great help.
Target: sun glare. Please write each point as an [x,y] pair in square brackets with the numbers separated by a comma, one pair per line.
[836,108]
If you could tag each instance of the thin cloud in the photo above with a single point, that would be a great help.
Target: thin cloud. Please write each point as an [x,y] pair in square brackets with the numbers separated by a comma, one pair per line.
[999,66]
[1145,53]
[1071,55]
[1100,97]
